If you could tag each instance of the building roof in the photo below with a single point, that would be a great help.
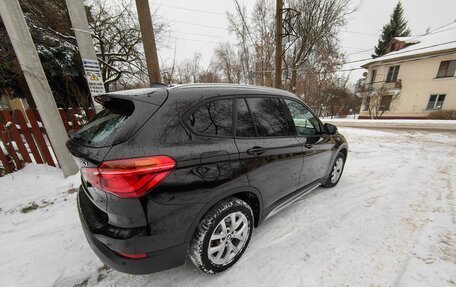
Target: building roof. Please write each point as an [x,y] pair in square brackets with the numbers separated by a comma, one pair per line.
[408,40]
[440,40]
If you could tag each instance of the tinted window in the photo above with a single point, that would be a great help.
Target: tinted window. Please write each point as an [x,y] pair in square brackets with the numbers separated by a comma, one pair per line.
[213,118]
[244,122]
[101,129]
[306,124]
[269,117]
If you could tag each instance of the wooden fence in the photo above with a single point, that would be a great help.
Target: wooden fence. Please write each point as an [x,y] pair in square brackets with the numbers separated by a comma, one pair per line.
[23,137]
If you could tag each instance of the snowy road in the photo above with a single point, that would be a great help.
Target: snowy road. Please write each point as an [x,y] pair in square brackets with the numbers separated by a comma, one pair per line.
[391,221]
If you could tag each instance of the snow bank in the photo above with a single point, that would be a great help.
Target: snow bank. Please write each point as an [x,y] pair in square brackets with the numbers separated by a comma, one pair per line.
[34,183]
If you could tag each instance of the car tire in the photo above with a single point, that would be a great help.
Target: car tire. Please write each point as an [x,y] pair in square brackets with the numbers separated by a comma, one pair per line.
[336,171]
[216,245]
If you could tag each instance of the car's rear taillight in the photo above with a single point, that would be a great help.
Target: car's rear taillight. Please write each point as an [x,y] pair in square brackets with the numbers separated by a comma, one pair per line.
[129,178]
[132,256]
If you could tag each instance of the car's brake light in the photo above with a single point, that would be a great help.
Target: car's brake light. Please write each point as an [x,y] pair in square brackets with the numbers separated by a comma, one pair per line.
[132,256]
[129,178]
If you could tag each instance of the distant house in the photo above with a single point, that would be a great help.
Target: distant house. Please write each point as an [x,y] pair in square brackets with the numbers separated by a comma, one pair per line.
[414,78]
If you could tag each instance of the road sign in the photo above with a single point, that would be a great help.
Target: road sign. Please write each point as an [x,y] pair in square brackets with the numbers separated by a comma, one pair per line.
[93,75]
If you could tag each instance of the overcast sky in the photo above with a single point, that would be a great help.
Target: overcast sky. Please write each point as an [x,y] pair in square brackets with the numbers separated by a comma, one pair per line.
[199,25]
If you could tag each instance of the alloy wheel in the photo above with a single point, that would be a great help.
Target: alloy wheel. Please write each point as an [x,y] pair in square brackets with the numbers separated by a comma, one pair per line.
[228,238]
[337,170]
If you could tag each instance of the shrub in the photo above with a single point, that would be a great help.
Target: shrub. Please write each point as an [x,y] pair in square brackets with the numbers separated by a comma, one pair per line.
[443,115]
[32,206]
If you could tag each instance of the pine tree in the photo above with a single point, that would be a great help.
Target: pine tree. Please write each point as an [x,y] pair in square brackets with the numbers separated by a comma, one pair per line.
[397,27]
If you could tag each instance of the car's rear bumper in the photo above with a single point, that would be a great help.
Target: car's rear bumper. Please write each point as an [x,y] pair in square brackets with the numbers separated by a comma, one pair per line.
[154,262]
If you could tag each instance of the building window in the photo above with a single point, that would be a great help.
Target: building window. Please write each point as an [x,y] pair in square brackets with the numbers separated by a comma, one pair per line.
[374,74]
[435,102]
[385,102]
[446,69]
[392,74]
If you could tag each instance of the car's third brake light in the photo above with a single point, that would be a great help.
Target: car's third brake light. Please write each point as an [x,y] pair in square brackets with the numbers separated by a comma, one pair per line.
[129,178]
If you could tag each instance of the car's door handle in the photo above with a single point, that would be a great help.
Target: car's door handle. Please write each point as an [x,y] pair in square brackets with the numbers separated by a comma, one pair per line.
[308,145]
[256,150]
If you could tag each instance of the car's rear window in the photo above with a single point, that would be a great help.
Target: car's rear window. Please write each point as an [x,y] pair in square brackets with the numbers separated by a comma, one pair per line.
[214,118]
[101,129]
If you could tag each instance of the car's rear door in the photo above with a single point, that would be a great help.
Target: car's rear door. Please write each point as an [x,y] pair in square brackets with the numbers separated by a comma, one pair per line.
[268,149]
[317,146]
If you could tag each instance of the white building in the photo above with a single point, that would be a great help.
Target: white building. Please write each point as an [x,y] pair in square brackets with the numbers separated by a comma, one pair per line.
[416,76]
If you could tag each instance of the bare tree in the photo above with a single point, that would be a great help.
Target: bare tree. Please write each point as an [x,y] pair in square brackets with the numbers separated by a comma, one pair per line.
[118,42]
[263,33]
[311,62]
[317,29]
[239,26]
[228,63]
[379,101]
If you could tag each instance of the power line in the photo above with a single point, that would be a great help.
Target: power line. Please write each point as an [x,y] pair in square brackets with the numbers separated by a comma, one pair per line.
[243,21]
[398,53]
[355,48]
[201,25]
[191,9]
[203,35]
[361,52]
[194,40]
[360,33]
[303,70]
[437,30]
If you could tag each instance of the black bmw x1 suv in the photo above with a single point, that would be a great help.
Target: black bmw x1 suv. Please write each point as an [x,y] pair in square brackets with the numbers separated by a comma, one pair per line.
[188,171]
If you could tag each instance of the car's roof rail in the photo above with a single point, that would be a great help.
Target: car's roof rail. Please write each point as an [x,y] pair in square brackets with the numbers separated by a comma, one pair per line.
[159,85]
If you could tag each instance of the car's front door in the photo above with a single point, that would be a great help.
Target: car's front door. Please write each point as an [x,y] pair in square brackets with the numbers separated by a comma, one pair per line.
[317,145]
[268,148]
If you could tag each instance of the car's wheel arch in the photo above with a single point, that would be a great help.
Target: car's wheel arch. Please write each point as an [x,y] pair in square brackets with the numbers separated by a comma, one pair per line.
[341,148]
[240,192]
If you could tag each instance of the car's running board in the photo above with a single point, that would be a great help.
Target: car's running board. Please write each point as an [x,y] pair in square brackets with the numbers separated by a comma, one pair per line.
[291,200]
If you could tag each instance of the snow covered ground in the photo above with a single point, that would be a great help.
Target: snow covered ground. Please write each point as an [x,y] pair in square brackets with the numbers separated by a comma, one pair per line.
[391,221]
[429,125]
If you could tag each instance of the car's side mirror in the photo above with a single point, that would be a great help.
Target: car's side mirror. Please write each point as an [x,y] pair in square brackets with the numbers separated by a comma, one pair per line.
[330,129]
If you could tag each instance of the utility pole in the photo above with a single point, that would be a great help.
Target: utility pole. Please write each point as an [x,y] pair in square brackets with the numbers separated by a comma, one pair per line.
[89,58]
[148,38]
[278,40]
[23,46]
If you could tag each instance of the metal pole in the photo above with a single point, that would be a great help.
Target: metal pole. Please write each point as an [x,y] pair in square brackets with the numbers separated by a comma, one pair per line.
[23,45]
[148,38]
[89,58]
[278,40]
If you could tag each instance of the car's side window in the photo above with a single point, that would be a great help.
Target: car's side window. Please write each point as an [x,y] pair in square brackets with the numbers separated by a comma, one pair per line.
[305,123]
[213,118]
[269,117]
[244,122]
